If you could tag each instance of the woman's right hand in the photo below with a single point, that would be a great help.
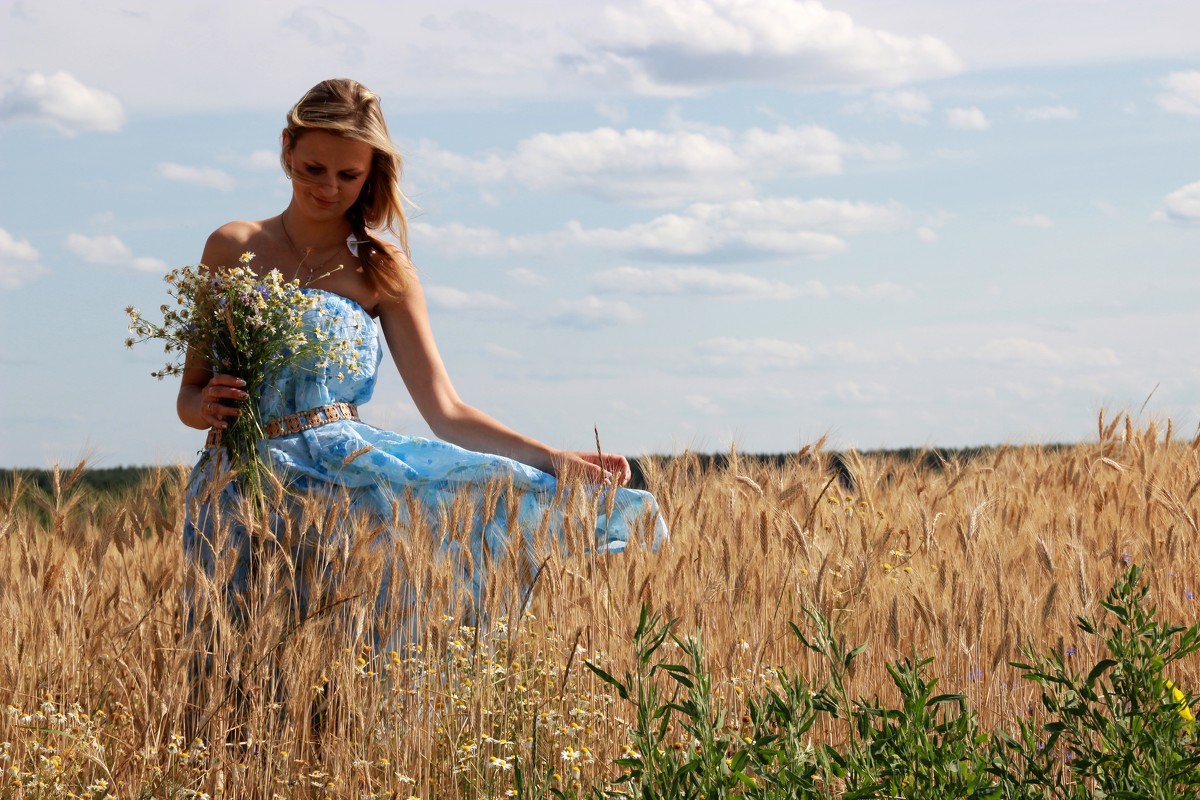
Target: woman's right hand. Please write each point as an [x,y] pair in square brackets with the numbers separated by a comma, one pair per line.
[212,409]
[213,396]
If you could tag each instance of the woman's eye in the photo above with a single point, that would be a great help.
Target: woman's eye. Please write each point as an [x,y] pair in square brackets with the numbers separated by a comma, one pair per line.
[348,177]
[315,170]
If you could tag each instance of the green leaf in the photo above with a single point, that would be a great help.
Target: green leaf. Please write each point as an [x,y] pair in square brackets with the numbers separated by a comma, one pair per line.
[609,679]
[1101,667]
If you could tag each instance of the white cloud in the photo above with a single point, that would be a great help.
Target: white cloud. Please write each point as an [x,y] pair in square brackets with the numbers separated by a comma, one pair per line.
[657,167]
[1181,205]
[907,105]
[62,102]
[19,262]
[967,119]
[702,281]
[456,239]
[109,249]
[593,312]
[696,281]
[766,354]
[753,354]
[1181,94]
[206,177]
[887,292]
[1043,113]
[448,298]
[106,249]
[148,264]
[665,46]
[1026,352]
[928,232]
[1033,221]
[255,161]
[741,229]
[747,228]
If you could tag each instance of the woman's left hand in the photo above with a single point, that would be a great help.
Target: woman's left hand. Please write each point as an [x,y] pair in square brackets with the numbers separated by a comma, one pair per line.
[594,467]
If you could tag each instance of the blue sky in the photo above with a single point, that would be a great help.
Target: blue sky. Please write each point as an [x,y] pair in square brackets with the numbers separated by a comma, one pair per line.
[687,223]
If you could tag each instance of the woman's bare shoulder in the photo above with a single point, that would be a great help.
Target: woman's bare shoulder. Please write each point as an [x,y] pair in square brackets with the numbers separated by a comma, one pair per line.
[229,241]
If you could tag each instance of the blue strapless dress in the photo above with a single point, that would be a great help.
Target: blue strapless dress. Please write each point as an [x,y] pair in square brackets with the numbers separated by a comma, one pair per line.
[379,470]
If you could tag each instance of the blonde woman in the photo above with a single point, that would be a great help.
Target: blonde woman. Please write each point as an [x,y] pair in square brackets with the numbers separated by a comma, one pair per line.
[344,170]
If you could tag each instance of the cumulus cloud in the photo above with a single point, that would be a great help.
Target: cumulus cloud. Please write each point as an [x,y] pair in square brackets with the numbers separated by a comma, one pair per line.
[19,262]
[1044,113]
[1181,93]
[747,228]
[110,250]
[1181,206]
[447,298]
[62,102]
[205,177]
[676,46]
[967,119]
[775,227]
[1027,352]
[592,312]
[107,249]
[658,167]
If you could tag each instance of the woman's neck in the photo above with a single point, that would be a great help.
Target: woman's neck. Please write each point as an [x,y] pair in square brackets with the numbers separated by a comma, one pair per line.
[305,233]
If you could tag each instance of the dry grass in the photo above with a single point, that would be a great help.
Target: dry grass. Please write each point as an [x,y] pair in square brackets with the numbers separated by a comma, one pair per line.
[964,562]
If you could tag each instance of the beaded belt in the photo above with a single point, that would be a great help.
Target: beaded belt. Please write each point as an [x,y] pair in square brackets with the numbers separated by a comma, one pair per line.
[294,423]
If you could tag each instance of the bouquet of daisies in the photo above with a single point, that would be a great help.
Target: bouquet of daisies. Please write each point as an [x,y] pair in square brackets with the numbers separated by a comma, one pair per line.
[246,325]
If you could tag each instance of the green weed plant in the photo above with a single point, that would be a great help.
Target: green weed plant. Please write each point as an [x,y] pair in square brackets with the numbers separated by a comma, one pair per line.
[1120,730]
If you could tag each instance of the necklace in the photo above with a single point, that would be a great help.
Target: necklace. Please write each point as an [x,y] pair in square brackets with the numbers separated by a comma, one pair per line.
[308,251]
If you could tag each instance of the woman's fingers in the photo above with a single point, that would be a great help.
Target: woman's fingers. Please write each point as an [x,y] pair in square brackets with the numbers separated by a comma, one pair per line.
[604,467]
[218,399]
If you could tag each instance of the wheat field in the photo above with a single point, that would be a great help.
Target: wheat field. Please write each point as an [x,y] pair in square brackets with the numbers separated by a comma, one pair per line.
[965,561]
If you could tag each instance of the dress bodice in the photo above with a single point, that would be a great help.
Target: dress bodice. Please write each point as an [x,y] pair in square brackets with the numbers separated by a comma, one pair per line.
[310,385]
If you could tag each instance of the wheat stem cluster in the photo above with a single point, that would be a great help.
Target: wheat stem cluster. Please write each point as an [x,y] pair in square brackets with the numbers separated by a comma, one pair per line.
[129,671]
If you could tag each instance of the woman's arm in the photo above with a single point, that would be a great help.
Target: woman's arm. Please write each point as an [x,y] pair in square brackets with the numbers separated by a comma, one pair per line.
[200,391]
[405,325]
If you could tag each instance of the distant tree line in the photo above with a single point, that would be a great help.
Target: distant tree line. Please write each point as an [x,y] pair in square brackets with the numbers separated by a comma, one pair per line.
[102,479]
[117,479]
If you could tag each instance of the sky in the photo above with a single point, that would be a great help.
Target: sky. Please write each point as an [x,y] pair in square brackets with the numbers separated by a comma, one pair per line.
[677,224]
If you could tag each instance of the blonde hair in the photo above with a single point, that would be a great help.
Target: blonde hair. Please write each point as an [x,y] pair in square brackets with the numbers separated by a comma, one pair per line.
[347,108]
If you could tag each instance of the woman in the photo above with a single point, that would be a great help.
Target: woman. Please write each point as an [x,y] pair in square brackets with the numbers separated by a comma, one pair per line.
[344,170]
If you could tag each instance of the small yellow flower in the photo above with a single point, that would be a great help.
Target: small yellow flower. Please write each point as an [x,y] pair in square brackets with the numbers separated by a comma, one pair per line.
[1181,702]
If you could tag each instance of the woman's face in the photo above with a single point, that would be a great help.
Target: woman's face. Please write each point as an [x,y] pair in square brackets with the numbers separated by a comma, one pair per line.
[328,172]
